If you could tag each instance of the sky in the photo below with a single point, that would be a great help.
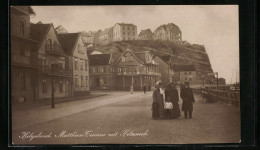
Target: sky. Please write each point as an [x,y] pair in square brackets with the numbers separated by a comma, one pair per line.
[214,26]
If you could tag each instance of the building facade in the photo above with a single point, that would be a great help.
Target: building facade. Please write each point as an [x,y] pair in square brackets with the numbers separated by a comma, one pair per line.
[102,73]
[145,35]
[183,73]
[54,71]
[73,46]
[170,32]
[136,69]
[106,36]
[165,69]
[24,62]
[124,31]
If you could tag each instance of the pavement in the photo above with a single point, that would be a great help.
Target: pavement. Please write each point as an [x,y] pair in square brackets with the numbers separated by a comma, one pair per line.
[42,112]
[118,112]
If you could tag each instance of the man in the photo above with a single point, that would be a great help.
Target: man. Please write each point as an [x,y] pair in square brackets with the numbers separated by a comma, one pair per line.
[188,100]
[144,88]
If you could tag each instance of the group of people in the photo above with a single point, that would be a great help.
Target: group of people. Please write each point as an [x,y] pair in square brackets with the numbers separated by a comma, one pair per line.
[170,94]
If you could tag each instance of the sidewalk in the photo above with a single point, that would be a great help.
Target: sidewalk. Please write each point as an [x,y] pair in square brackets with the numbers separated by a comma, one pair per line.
[43,113]
[40,103]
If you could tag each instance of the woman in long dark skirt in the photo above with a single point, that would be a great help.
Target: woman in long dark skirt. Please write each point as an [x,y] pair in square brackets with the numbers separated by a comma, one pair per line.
[158,105]
[171,95]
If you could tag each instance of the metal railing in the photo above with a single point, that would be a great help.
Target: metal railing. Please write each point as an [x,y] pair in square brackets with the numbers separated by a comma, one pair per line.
[53,49]
[57,71]
[139,73]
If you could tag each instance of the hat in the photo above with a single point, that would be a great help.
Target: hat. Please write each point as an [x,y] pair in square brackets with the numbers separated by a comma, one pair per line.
[186,82]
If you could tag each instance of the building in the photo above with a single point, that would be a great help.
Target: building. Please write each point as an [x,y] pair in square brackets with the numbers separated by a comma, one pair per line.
[137,69]
[102,71]
[145,35]
[24,62]
[184,73]
[61,30]
[106,36]
[73,46]
[54,71]
[124,31]
[165,68]
[170,32]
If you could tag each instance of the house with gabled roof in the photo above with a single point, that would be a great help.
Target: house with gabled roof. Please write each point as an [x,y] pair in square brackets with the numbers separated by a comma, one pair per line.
[170,32]
[53,63]
[74,47]
[102,71]
[106,36]
[136,69]
[145,35]
[61,30]
[184,73]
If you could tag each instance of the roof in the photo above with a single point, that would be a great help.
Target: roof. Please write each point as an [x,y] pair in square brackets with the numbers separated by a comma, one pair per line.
[106,31]
[143,32]
[170,26]
[183,68]
[68,41]
[126,24]
[99,59]
[40,29]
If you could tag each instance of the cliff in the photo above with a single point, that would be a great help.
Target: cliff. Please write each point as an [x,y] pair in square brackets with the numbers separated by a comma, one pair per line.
[181,54]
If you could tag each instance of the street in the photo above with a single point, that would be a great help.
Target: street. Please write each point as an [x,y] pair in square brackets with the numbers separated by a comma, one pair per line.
[124,118]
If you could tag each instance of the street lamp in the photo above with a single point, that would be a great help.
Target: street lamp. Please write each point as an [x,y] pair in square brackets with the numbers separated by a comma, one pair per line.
[52,88]
[202,80]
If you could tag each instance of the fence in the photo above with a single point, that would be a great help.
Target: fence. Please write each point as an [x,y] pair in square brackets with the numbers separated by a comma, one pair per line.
[229,97]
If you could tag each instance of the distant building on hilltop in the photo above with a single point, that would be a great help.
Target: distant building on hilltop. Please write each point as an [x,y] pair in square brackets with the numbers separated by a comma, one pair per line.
[169,32]
[61,30]
[145,35]
[106,36]
[124,31]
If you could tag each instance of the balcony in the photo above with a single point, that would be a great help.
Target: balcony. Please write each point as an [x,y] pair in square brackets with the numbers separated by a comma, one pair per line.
[54,50]
[24,61]
[57,71]
[138,73]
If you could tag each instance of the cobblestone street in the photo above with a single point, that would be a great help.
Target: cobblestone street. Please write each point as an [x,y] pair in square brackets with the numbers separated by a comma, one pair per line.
[121,111]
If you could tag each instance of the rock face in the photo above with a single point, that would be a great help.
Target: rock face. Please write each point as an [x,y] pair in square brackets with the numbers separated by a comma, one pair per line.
[181,54]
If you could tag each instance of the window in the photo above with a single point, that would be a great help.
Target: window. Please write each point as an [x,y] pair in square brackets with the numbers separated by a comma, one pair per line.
[22,50]
[190,73]
[86,65]
[79,48]
[190,79]
[123,59]
[61,86]
[123,33]
[128,28]
[86,81]
[21,28]
[185,73]
[81,64]
[76,63]
[82,83]
[23,80]
[76,80]
[44,86]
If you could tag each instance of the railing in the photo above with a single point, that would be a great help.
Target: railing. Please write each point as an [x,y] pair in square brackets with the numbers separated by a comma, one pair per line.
[53,49]
[56,71]
[27,61]
[138,73]
[229,97]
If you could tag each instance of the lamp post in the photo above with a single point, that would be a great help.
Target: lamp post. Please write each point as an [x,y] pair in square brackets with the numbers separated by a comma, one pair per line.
[202,80]
[52,88]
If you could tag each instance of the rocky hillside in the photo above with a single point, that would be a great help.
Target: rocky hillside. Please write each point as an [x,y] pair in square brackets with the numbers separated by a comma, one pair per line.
[188,54]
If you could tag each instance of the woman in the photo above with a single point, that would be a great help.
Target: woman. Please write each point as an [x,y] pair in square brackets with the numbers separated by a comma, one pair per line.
[171,95]
[158,105]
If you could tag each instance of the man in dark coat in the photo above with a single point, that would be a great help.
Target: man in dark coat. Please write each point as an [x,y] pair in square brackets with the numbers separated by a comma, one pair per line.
[144,88]
[188,100]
